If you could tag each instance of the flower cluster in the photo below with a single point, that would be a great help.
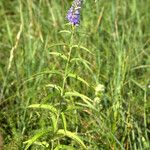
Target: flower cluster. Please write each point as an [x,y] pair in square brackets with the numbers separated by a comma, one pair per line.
[73,14]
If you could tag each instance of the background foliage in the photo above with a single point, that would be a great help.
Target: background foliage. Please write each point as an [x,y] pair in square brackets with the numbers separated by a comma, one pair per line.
[105,104]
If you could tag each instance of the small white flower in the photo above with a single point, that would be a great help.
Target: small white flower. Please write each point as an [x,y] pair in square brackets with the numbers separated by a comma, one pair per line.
[99,88]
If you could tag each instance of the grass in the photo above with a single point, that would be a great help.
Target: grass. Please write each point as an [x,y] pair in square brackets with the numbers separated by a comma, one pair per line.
[95,97]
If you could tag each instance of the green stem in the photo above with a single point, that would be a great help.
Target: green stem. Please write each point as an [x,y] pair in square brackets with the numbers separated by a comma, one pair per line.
[67,64]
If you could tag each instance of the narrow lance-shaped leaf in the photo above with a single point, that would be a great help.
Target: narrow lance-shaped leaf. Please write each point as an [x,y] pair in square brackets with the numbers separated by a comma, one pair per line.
[58,88]
[44,106]
[72,136]
[58,55]
[78,78]
[36,137]
[64,121]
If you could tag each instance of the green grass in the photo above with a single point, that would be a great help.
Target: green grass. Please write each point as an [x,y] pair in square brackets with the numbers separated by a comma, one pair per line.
[89,93]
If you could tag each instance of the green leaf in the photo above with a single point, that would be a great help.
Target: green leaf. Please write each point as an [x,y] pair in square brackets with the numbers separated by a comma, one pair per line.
[64,121]
[65,31]
[45,106]
[72,136]
[35,137]
[77,94]
[43,144]
[86,105]
[58,55]
[58,88]
[34,76]
[138,84]
[54,122]
[86,99]
[52,109]
[84,62]
[78,78]
[82,47]
[57,44]
[64,147]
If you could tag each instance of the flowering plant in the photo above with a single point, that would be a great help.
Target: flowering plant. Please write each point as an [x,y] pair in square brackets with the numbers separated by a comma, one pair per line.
[73,14]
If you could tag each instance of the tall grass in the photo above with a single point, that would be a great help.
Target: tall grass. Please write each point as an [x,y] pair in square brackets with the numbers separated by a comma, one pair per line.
[88,93]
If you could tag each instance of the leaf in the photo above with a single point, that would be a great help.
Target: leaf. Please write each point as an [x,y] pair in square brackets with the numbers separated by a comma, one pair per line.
[44,106]
[78,78]
[52,109]
[82,47]
[72,136]
[58,88]
[65,31]
[57,44]
[85,63]
[34,76]
[72,107]
[54,122]
[86,99]
[43,143]
[77,94]
[59,55]
[81,59]
[64,147]
[35,137]
[138,84]
[86,105]
[64,121]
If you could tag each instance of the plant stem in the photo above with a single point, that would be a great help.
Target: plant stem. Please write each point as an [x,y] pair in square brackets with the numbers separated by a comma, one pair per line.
[67,64]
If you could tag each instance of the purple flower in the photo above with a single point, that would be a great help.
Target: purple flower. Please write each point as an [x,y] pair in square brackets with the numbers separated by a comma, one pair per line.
[73,14]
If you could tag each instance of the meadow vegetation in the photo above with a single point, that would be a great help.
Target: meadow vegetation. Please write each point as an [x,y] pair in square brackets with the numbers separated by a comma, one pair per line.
[82,88]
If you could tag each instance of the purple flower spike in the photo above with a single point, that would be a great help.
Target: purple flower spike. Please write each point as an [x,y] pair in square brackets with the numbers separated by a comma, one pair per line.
[73,14]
